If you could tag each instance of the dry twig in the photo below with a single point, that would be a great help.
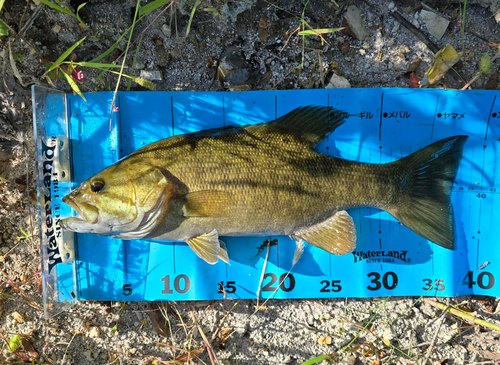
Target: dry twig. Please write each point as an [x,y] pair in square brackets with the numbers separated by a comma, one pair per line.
[464,315]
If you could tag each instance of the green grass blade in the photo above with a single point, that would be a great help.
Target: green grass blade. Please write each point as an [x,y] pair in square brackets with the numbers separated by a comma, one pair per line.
[96,65]
[134,61]
[148,8]
[4,30]
[1,4]
[319,31]
[73,85]
[319,359]
[65,55]
[77,12]
[58,8]
[110,49]
[190,20]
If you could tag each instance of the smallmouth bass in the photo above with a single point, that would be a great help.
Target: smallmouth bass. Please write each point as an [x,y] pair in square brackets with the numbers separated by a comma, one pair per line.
[264,179]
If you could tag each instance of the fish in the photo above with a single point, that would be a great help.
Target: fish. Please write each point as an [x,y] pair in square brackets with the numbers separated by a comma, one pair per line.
[264,180]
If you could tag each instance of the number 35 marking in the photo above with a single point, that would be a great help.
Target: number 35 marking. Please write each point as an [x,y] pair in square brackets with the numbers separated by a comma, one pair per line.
[439,284]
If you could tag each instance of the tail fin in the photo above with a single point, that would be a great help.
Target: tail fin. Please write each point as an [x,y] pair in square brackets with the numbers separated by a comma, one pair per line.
[427,178]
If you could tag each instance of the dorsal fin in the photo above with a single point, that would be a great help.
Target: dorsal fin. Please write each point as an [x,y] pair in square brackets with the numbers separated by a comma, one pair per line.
[310,123]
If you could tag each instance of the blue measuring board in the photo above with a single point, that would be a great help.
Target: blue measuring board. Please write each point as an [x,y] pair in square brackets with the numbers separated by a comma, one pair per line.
[389,260]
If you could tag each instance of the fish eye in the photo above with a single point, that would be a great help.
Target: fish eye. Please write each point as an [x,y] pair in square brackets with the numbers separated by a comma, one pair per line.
[97,186]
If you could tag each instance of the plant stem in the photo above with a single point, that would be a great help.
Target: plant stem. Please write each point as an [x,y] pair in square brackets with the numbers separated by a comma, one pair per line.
[464,315]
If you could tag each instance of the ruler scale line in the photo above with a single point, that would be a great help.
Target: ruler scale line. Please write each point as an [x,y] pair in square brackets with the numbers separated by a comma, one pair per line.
[489,118]
[310,279]
[434,117]
[381,116]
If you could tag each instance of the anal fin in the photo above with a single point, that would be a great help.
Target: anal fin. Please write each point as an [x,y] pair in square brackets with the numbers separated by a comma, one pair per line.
[336,235]
[206,246]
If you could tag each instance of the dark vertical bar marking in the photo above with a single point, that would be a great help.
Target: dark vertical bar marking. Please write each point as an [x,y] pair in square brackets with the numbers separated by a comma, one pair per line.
[119,128]
[434,117]
[278,255]
[381,116]
[489,117]
[471,184]
[480,191]
[70,141]
[125,259]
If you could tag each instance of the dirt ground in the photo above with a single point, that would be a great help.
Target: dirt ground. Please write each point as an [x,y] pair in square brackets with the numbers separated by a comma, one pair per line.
[256,46]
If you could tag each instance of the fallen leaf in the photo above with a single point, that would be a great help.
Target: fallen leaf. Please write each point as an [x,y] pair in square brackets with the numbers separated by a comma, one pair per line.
[22,355]
[491,84]
[262,23]
[487,302]
[266,77]
[262,35]
[414,65]
[223,336]
[157,318]
[466,306]
[445,59]
[188,356]
[325,341]
[18,317]
[28,347]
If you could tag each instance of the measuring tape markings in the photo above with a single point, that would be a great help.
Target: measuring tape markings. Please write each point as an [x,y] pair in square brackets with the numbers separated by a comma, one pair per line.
[382,280]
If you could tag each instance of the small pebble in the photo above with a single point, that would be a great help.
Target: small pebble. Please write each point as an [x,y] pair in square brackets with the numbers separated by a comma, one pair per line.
[94,332]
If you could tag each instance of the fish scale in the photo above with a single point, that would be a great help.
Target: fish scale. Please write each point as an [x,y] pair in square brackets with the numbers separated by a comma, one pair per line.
[265,179]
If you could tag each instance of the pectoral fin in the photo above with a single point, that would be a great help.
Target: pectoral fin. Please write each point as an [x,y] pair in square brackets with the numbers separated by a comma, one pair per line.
[207,203]
[336,235]
[206,246]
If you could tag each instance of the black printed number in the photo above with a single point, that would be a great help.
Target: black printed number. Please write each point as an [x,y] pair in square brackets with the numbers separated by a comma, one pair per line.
[334,285]
[229,288]
[127,289]
[438,283]
[485,280]
[482,196]
[286,282]
[388,284]
[181,284]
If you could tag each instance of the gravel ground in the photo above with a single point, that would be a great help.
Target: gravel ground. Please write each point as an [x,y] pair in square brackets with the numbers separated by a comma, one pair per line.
[256,45]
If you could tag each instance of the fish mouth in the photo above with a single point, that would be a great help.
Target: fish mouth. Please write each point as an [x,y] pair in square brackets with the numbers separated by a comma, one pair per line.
[86,212]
